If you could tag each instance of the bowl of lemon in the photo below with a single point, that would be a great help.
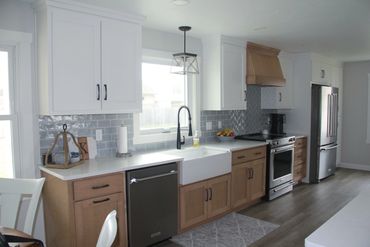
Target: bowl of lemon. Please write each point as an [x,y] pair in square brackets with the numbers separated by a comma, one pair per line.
[225,135]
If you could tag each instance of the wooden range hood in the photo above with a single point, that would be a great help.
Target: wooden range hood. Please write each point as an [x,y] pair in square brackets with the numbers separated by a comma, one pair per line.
[263,66]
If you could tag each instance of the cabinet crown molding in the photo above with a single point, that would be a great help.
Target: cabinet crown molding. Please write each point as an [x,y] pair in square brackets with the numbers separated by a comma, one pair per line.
[90,9]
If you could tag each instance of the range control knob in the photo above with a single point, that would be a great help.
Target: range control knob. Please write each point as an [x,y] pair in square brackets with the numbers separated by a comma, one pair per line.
[292,139]
[275,143]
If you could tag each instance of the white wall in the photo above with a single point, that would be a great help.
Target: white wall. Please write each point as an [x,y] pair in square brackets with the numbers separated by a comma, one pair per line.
[163,41]
[355,150]
[16,15]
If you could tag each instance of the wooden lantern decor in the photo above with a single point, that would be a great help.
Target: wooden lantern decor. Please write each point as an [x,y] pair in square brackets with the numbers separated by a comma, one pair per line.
[68,160]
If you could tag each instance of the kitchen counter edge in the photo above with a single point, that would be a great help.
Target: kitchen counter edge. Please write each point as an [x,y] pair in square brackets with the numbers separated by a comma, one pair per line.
[102,166]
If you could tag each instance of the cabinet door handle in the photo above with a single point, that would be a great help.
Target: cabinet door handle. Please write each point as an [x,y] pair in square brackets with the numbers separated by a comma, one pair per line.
[210,194]
[100,201]
[322,74]
[280,97]
[206,190]
[252,173]
[106,91]
[96,187]
[98,91]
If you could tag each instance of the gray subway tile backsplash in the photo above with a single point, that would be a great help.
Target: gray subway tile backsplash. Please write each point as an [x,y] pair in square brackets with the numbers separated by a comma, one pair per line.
[253,119]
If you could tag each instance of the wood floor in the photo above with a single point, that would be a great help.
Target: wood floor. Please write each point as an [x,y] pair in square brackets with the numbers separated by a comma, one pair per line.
[302,211]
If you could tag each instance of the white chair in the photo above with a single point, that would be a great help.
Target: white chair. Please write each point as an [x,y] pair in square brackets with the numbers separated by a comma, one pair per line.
[11,192]
[108,231]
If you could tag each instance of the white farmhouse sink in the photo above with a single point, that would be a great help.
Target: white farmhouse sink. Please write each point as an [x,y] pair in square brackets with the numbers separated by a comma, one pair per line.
[202,163]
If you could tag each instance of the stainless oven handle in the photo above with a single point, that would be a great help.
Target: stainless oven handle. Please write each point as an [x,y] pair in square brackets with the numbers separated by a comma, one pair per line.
[282,149]
[281,188]
[326,149]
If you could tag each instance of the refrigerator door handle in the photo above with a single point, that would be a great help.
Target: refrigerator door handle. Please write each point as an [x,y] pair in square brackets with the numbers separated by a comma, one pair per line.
[336,114]
[329,148]
[329,116]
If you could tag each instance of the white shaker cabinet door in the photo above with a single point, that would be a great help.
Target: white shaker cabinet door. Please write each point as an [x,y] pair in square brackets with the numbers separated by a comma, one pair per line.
[321,72]
[75,59]
[280,97]
[233,77]
[121,66]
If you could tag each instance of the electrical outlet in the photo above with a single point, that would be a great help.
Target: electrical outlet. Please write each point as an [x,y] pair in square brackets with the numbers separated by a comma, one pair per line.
[219,124]
[99,134]
[208,125]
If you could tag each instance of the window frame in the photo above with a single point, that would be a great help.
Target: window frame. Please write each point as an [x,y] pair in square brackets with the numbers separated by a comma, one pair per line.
[12,116]
[192,95]
[24,107]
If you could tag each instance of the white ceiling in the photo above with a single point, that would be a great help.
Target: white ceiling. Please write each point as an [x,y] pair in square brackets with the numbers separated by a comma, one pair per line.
[336,28]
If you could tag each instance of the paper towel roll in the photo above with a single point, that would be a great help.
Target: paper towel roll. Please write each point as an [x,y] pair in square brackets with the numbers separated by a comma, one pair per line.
[122,140]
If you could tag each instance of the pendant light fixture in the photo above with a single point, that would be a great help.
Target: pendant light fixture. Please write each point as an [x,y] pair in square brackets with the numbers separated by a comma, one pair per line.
[184,62]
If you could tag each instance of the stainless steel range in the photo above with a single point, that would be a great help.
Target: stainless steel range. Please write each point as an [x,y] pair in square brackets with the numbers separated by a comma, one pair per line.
[279,162]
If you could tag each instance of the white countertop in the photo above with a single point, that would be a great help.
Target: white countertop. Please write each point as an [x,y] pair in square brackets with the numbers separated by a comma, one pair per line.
[236,145]
[349,227]
[110,165]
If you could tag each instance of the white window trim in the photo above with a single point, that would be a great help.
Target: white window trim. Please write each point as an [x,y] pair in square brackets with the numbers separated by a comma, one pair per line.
[193,104]
[24,108]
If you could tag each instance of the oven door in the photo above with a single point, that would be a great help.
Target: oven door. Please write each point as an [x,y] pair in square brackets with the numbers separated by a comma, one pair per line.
[281,165]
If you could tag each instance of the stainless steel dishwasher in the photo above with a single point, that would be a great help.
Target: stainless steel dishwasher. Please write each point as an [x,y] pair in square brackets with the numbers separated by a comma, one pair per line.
[152,204]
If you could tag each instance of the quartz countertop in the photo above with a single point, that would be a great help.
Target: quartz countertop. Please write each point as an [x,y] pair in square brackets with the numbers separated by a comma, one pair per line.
[236,145]
[349,227]
[97,167]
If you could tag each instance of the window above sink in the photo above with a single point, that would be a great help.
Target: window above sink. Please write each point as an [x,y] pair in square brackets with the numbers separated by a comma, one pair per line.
[162,95]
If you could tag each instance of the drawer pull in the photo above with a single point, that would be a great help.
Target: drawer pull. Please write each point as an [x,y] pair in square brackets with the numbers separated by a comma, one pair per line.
[257,153]
[96,187]
[241,157]
[100,201]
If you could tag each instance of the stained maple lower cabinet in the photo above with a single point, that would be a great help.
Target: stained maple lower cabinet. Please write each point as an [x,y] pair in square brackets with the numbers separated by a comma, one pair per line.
[248,176]
[203,200]
[300,157]
[248,182]
[89,215]
[75,210]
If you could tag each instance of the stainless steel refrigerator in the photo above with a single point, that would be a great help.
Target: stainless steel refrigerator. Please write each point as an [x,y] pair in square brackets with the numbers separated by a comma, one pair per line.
[324,124]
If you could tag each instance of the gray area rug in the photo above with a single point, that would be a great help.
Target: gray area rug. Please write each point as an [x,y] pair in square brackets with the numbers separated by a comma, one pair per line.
[233,230]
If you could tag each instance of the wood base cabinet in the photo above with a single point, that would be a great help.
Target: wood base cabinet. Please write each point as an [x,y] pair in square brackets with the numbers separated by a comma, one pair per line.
[248,182]
[75,210]
[300,159]
[203,200]
[248,176]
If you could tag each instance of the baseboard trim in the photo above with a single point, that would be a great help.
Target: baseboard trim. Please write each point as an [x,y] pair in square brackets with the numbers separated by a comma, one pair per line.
[354,166]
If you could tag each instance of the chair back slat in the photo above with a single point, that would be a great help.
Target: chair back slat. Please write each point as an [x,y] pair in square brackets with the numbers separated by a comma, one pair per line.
[9,204]
[11,193]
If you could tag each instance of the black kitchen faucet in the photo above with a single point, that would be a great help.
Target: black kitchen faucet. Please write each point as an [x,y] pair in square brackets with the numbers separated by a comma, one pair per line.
[180,142]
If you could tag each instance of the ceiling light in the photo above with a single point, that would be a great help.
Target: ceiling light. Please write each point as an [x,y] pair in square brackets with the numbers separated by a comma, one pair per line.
[184,62]
[180,2]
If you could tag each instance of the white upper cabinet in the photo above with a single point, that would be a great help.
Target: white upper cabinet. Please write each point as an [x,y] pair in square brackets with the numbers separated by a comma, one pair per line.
[223,86]
[89,61]
[75,63]
[321,71]
[280,97]
[121,66]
